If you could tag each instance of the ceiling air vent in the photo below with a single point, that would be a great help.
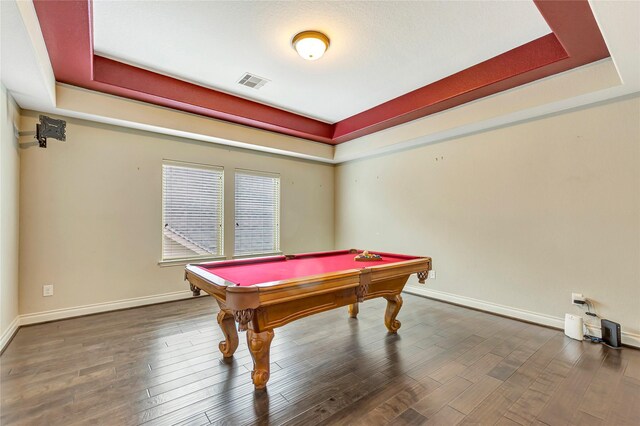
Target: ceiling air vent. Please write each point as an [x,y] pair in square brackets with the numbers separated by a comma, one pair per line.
[253,81]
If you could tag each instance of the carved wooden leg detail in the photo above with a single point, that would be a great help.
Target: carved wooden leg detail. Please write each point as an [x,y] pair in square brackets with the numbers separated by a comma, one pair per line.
[353,310]
[230,343]
[195,290]
[259,344]
[394,303]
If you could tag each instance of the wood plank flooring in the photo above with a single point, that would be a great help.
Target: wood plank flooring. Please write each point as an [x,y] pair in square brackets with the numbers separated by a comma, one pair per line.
[448,365]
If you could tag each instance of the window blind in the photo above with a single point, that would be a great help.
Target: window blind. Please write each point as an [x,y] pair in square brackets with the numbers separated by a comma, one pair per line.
[192,211]
[257,213]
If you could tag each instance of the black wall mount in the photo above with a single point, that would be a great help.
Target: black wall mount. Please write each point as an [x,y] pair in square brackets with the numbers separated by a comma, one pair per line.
[48,128]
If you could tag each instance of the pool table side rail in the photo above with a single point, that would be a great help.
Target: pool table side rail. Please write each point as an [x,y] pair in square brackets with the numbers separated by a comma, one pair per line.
[263,259]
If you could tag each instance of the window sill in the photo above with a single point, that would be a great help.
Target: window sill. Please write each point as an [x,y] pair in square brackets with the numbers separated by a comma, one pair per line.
[183,262]
[247,256]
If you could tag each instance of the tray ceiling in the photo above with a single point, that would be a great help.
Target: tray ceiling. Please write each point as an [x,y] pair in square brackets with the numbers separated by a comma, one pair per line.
[388,64]
[379,50]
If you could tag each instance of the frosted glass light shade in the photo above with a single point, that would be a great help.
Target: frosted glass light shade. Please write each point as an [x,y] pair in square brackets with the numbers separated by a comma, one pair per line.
[310,45]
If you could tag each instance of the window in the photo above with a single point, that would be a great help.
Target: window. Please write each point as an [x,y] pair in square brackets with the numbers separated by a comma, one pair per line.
[192,211]
[257,213]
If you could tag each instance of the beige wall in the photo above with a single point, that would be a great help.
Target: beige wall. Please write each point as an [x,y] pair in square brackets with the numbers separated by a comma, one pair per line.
[91,211]
[520,216]
[9,209]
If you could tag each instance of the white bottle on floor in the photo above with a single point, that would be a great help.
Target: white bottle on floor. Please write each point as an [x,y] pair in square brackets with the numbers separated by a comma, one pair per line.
[573,326]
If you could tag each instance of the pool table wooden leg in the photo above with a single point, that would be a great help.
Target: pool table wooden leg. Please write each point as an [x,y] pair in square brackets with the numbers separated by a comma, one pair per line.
[353,310]
[194,290]
[230,343]
[259,344]
[394,303]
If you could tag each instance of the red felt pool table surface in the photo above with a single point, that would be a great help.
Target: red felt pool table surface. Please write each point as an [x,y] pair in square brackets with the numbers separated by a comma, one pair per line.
[248,272]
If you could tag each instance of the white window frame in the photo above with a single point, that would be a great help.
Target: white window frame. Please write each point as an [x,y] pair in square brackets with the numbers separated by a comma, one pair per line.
[278,215]
[221,235]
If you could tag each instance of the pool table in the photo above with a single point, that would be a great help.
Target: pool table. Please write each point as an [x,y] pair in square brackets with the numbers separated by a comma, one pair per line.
[260,294]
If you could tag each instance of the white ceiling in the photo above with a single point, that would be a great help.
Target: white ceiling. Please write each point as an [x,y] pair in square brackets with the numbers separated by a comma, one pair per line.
[24,63]
[379,50]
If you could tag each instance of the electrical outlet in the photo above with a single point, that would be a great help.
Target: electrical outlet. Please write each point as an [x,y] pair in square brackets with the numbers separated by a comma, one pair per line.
[577,296]
[47,290]
[432,274]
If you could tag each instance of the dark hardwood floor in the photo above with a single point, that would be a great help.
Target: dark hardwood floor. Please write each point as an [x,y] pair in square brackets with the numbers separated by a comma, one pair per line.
[448,365]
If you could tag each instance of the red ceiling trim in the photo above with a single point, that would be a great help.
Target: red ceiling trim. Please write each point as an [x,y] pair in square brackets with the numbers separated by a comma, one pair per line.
[167,91]
[576,41]
[67,29]
[473,83]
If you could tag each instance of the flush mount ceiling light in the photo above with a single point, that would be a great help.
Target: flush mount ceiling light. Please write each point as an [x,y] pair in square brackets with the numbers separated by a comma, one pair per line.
[310,45]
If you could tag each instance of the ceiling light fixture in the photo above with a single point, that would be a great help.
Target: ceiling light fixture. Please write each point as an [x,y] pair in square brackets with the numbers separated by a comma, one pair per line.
[310,45]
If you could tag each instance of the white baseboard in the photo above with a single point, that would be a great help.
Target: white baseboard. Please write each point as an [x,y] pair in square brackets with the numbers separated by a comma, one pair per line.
[5,338]
[95,308]
[630,339]
[58,314]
